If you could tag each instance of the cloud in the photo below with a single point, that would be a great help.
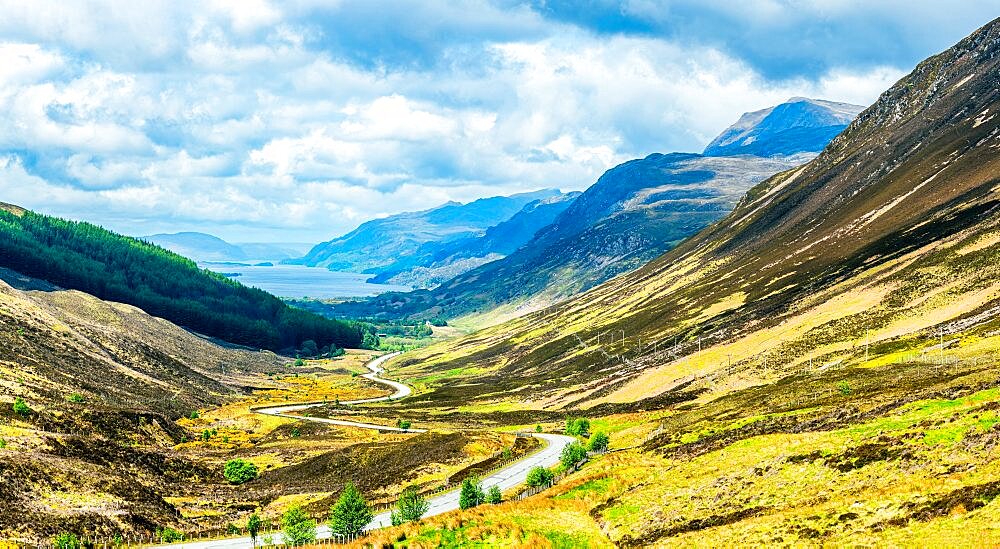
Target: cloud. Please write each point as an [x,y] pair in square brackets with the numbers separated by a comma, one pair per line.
[295,121]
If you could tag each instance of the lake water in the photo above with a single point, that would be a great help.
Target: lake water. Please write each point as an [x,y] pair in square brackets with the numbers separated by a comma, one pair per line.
[300,281]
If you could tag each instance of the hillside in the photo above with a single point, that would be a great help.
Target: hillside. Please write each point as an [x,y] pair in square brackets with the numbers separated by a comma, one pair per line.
[635,212]
[104,383]
[85,257]
[207,248]
[381,242]
[890,230]
[437,262]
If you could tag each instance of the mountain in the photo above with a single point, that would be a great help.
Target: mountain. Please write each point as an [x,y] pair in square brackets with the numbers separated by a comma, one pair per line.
[207,248]
[435,262]
[798,125]
[112,267]
[889,236]
[380,242]
[635,212]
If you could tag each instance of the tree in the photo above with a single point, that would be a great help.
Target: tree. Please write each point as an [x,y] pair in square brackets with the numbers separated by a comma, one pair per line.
[403,424]
[572,454]
[599,442]
[410,508]
[494,495]
[297,527]
[299,362]
[238,471]
[539,476]
[351,513]
[21,408]
[309,348]
[168,534]
[254,524]
[472,493]
[578,427]
[67,541]
[538,428]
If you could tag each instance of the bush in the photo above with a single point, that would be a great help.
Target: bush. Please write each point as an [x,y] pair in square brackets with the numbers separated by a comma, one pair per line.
[67,541]
[599,442]
[351,513]
[539,476]
[410,508]
[296,433]
[538,428]
[76,398]
[300,362]
[297,527]
[472,493]
[21,408]
[206,434]
[578,427]
[238,471]
[494,495]
[572,454]
[195,414]
[403,424]
[168,535]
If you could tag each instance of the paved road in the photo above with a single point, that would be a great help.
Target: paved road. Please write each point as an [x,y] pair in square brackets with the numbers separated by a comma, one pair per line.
[505,478]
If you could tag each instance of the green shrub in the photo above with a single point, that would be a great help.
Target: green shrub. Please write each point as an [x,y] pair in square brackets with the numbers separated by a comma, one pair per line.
[206,434]
[300,362]
[21,408]
[472,493]
[494,495]
[297,527]
[410,507]
[195,414]
[539,476]
[351,513]
[538,428]
[168,535]
[3,443]
[296,433]
[599,442]
[67,541]
[254,524]
[844,388]
[76,398]
[572,454]
[238,471]
[403,424]
[577,427]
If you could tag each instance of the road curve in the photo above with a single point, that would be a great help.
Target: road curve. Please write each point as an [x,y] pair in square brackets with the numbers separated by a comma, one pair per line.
[505,478]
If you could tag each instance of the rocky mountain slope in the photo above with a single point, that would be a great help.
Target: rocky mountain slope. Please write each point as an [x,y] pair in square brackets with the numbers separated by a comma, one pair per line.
[381,242]
[632,214]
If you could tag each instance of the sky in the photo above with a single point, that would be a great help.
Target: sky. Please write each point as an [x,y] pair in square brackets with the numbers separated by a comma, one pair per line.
[296,121]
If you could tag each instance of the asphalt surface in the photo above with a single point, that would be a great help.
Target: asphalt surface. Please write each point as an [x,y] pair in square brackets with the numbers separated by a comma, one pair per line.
[505,478]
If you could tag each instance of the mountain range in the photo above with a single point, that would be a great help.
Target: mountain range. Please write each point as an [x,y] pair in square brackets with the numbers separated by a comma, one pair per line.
[382,242]
[635,212]
[208,248]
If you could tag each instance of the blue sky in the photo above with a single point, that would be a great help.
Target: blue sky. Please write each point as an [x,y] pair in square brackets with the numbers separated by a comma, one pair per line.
[296,121]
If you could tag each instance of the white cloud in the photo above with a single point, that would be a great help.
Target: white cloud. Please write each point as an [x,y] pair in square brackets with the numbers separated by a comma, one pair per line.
[243,119]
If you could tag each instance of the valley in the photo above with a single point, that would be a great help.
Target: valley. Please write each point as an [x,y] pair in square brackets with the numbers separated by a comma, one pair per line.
[789,338]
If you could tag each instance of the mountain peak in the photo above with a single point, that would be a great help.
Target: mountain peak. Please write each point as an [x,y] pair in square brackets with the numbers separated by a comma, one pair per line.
[800,124]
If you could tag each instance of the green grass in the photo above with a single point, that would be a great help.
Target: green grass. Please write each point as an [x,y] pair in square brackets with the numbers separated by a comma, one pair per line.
[598,486]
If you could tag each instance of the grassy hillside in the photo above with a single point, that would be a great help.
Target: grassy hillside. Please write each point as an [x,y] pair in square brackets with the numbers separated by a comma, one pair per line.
[109,266]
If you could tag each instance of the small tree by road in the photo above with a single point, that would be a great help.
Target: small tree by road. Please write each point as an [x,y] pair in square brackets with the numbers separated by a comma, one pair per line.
[577,427]
[254,524]
[472,493]
[539,476]
[410,508]
[572,454]
[351,513]
[297,527]
[494,495]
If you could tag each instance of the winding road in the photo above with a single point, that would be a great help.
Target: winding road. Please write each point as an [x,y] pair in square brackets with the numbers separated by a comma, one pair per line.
[506,478]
